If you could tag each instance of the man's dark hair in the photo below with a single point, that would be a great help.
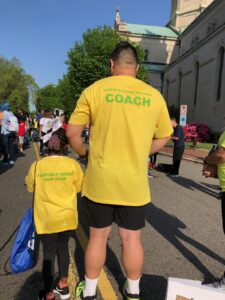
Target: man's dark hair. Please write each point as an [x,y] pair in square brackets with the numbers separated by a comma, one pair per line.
[125,53]
[174,118]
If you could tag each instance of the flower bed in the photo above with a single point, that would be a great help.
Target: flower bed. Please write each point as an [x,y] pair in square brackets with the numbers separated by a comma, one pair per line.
[197,133]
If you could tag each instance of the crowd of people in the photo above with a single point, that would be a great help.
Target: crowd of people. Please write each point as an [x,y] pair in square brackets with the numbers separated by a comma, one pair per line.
[15,133]
[115,187]
[19,128]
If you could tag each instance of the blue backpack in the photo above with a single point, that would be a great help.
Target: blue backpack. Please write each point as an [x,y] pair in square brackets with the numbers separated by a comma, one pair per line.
[25,248]
[23,254]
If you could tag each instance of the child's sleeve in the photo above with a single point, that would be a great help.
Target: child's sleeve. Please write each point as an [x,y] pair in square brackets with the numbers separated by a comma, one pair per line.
[30,178]
[79,177]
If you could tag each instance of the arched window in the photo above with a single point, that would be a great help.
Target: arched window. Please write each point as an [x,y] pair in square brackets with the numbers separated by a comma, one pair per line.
[146,55]
[196,79]
[220,71]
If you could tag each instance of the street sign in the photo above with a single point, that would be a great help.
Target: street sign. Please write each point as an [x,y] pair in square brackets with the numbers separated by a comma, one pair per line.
[183,115]
[183,289]
[183,109]
[183,120]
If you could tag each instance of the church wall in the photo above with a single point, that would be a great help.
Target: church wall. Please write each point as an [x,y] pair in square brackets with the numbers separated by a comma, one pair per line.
[207,109]
[184,12]
[160,50]
[155,80]
[188,5]
[203,28]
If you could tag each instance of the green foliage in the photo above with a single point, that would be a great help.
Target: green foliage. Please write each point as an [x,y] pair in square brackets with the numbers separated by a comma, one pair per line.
[15,84]
[48,98]
[66,94]
[88,60]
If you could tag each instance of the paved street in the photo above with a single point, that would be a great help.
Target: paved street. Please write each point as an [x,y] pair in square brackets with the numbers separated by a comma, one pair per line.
[183,235]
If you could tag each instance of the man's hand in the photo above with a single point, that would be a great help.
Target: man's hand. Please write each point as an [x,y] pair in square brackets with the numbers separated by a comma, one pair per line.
[209,171]
[174,138]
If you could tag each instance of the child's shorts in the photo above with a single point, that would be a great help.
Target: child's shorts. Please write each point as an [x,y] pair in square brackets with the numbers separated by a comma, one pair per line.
[21,139]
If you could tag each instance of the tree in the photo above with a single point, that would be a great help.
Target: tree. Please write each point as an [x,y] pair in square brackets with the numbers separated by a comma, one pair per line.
[88,61]
[66,94]
[15,84]
[48,98]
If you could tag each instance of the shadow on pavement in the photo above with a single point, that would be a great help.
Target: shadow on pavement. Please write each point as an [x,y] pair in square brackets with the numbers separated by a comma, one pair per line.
[170,228]
[153,287]
[193,185]
[4,169]
[113,266]
[30,288]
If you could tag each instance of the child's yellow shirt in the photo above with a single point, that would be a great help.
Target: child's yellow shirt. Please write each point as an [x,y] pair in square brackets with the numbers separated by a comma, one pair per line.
[57,180]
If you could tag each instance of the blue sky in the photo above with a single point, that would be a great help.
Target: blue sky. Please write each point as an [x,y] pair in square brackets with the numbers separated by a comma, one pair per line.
[40,32]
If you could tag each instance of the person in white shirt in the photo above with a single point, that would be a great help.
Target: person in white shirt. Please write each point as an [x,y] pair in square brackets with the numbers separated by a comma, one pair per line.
[45,127]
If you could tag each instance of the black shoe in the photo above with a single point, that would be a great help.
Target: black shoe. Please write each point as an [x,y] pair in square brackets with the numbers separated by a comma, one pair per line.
[63,293]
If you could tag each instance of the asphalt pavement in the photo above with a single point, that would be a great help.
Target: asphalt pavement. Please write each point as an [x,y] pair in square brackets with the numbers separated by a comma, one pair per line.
[183,236]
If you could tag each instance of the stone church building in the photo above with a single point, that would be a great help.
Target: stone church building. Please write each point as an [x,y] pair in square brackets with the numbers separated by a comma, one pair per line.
[186,58]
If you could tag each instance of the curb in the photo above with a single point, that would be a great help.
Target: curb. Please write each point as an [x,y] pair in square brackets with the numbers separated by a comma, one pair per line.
[196,161]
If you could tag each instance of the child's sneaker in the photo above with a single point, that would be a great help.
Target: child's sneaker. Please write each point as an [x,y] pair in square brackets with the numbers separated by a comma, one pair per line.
[63,293]
[129,296]
[79,292]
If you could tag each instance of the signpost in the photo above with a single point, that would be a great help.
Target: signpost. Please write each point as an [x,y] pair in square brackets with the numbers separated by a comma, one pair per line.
[183,115]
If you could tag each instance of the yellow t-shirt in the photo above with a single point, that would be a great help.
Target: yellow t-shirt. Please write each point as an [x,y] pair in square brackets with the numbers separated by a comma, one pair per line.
[221,167]
[58,179]
[125,114]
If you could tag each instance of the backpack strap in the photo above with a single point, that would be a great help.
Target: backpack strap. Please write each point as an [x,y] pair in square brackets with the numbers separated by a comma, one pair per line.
[35,172]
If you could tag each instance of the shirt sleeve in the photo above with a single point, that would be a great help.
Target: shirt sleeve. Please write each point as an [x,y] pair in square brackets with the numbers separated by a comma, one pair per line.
[178,132]
[222,140]
[163,128]
[82,113]
[79,177]
[30,178]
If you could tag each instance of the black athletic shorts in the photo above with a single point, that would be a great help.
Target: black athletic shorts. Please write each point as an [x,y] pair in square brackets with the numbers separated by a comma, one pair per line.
[103,215]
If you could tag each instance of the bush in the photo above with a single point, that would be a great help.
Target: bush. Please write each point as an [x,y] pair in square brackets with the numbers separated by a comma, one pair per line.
[197,132]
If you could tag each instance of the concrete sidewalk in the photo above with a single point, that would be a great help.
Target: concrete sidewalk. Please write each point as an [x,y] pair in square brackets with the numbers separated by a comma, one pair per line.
[194,155]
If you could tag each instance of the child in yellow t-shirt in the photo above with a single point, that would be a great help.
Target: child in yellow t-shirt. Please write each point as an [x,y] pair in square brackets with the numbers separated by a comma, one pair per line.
[55,180]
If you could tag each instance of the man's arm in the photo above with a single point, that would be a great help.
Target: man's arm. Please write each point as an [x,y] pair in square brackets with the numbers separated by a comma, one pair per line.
[73,133]
[158,144]
[217,157]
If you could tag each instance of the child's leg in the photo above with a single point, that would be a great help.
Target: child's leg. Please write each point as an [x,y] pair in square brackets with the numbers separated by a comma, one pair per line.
[63,256]
[49,242]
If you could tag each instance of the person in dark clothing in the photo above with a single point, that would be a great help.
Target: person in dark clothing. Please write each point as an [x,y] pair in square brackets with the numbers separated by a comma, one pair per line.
[179,146]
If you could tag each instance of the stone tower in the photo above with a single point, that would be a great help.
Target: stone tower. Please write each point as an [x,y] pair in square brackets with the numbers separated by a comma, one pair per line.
[184,12]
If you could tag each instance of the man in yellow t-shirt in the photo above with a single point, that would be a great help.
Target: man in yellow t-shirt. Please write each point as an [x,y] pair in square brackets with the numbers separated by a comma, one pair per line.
[217,158]
[128,121]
